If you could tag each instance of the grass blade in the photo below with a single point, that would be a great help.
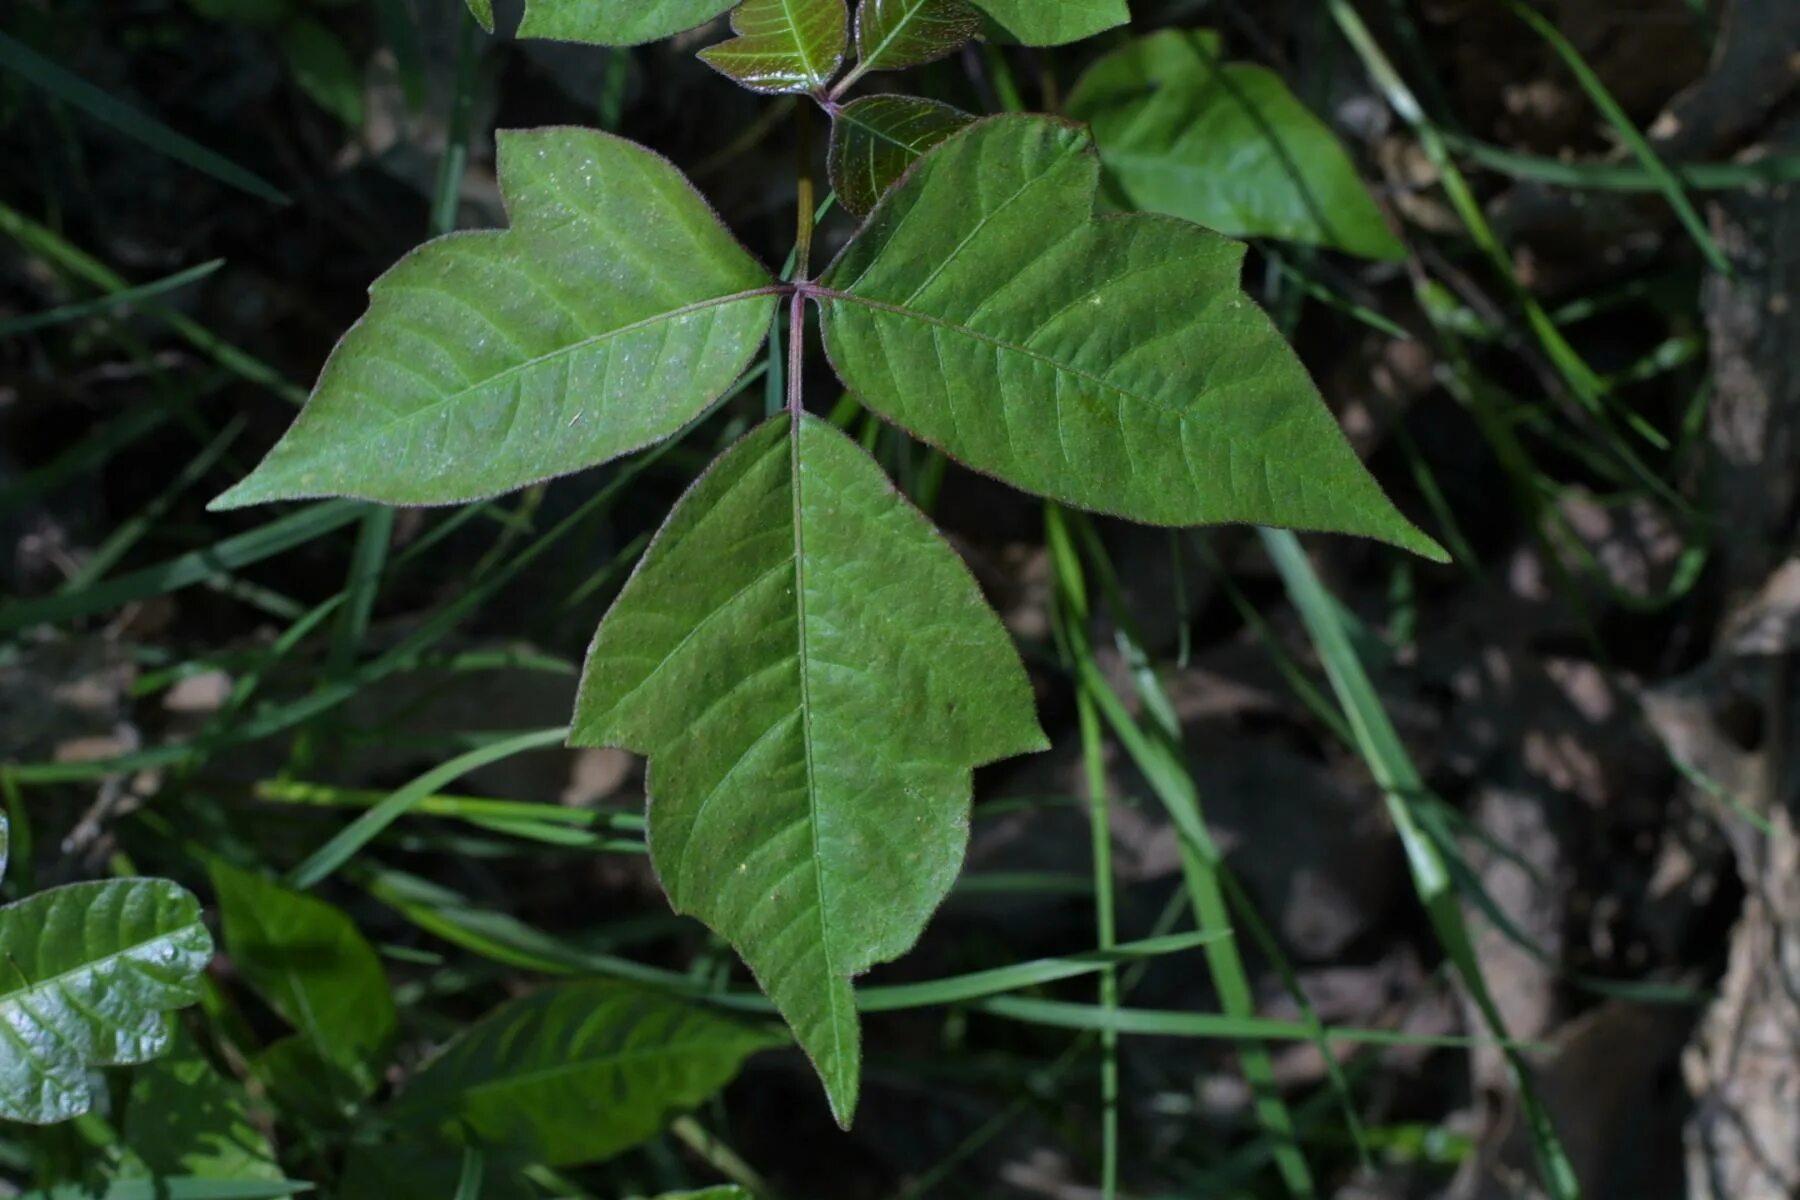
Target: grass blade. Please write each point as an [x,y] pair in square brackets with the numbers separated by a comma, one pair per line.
[106,304]
[71,89]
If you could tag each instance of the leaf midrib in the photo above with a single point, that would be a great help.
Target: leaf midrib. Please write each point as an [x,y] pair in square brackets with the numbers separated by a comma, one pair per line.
[92,964]
[561,352]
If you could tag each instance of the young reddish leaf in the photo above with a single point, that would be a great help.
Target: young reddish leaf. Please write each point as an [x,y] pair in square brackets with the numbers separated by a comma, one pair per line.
[814,675]
[1053,22]
[611,314]
[893,34]
[875,139]
[1166,112]
[615,22]
[1111,363]
[783,45]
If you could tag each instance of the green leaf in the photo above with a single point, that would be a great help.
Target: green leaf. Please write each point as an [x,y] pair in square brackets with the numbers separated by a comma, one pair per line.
[616,22]
[322,67]
[245,12]
[1054,22]
[5,845]
[611,314]
[184,1118]
[1113,364]
[894,34]
[174,1188]
[1225,145]
[875,139]
[484,13]
[814,675]
[728,1192]
[783,45]
[308,961]
[578,1072]
[88,972]
[419,1169]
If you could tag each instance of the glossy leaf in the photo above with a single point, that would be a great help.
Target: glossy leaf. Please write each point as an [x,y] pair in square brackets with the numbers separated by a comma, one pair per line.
[783,45]
[578,1072]
[894,34]
[875,139]
[184,1118]
[307,959]
[814,674]
[616,22]
[1054,22]
[1113,363]
[1225,145]
[89,971]
[611,314]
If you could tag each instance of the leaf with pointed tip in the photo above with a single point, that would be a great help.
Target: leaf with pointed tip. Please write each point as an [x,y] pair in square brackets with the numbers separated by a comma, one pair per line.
[1054,22]
[578,1072]
[616,22]
[611,314]
[1111,363]
[875,139]
[783,45]
[483,11]
[1225,145]
[814,675]
[895,34]
[89,971]
[313,966]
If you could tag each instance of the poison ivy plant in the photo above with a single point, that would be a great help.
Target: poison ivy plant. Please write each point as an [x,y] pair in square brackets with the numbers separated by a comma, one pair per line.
[1226,145]
[612,313]
[811,669]
[808,665]
[90,969]
[613,22]
[875,139]
[576,1073]
[1111,364]
[783,45]
[308,961]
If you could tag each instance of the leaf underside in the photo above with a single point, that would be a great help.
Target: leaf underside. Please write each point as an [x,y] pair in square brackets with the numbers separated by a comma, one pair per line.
[616,22]
[895,34]
[1110,363]
[611,314]
[90,969]
[1054,22]
[578,1072]
[875,140]
[1228,146]
[783,45]
[814,674]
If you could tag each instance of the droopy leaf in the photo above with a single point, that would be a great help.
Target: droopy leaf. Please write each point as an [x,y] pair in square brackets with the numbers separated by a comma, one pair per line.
[875,139]
[1226,145]
[1109,363]
[814,675]
[1054,22]
[184,1118]
[616,22]
[614,310]
[578,1072]
[307,959]
[894,34]
[783,45]
[86,973]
